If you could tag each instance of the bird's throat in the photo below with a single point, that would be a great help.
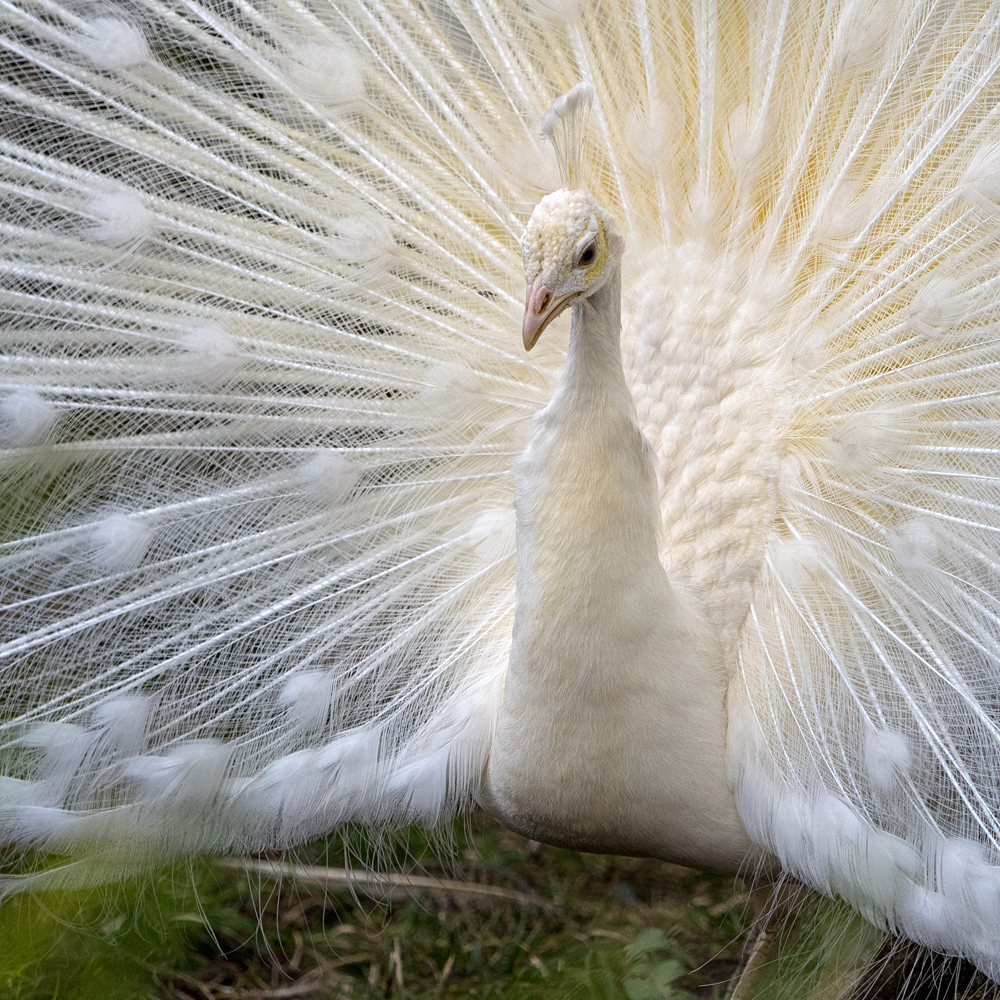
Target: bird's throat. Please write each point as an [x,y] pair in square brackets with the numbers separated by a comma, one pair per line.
[587,512]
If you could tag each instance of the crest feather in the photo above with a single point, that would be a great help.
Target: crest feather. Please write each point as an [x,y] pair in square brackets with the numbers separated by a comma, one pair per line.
[564,125]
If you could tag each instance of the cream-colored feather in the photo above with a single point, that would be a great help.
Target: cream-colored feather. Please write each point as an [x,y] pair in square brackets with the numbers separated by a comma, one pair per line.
[615,680]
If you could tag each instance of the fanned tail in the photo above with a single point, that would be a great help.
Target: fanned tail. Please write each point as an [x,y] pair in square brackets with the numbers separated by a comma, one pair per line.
[261,394]
[262,391]
[864,717]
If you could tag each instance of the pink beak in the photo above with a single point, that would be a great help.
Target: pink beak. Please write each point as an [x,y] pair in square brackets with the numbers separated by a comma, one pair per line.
[540,308]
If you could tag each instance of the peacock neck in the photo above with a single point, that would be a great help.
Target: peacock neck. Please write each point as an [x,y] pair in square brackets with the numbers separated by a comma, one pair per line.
[614,681]
[594,372]
[586,491]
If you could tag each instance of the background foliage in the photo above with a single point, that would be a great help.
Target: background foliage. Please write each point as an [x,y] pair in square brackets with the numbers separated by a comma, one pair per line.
[589,926]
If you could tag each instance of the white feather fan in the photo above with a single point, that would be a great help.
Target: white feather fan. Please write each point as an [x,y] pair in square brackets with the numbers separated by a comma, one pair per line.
[262,392]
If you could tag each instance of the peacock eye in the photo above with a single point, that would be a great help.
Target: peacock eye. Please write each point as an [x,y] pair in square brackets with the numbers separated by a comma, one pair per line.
[588,255]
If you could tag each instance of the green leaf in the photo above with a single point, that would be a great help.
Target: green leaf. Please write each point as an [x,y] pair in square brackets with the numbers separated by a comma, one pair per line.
[642,989]
[651,939]
[666,972]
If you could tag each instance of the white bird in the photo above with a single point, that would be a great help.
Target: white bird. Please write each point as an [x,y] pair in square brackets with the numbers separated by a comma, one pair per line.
[262,402]
[615,680]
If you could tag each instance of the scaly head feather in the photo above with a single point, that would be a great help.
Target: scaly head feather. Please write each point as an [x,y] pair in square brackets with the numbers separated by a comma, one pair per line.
[567,246]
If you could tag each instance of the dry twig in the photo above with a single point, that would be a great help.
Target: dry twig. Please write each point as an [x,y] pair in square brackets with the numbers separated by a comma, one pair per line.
[379,885]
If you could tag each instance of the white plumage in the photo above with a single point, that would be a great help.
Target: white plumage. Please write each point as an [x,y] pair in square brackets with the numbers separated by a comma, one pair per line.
[262,399]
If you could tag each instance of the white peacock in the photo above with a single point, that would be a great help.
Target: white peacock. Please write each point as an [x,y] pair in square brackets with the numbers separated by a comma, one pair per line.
[263,400]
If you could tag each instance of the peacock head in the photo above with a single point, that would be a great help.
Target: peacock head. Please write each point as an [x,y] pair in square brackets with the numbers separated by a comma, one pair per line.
[567,246]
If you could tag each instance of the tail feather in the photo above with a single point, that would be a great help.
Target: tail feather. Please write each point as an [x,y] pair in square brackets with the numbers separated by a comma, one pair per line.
[243,516]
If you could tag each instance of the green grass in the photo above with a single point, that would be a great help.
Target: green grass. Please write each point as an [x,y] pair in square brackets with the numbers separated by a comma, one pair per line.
[595,927]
